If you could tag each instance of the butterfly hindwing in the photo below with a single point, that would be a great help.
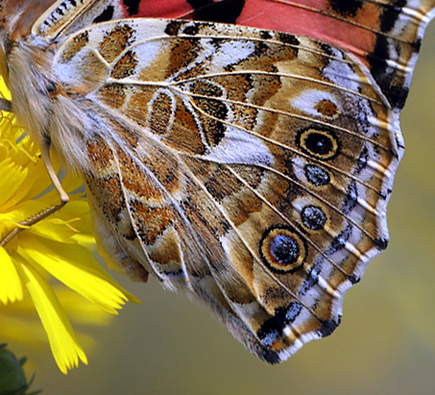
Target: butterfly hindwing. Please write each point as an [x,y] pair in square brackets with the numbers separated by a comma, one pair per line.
[249,167]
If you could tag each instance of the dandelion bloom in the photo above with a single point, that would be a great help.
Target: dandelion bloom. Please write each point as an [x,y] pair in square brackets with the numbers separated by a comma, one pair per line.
[55,247]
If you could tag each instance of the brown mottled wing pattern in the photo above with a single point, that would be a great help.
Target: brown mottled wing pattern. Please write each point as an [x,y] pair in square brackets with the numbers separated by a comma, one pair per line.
[250,168]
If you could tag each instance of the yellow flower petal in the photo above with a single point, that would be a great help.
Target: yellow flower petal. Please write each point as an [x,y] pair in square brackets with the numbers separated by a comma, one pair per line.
[55,229]
[4,89]
[39,182]
[87,241]
[75,267]
[63,342]
[12,178]
[71,182]
[24,210]
[10,284]
[80,310]
[58,245]
[73,220]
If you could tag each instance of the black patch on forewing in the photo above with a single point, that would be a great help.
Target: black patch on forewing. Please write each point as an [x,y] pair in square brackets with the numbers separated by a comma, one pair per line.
[286,38]
[106,15]
[191,30]
[326,48]
[218,130]
[382,73]
[225,11]
[391,15]
[132,6]
[266,35]
[173,27]
[346,8]
[261,49]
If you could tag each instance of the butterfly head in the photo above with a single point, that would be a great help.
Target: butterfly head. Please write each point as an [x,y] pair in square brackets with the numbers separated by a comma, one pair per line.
[16,20]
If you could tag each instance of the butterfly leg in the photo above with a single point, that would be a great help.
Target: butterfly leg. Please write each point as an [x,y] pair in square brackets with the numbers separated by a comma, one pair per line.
[31,221]
[45,153]
[64,198]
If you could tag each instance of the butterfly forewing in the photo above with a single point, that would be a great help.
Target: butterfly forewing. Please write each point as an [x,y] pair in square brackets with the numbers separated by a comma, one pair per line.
[67,16]
[383,35]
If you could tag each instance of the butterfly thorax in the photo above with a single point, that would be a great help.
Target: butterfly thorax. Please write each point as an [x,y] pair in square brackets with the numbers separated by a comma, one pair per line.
[26,69]
[41,103]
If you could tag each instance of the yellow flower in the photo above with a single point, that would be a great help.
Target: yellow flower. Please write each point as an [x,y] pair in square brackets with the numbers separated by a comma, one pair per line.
[53,247]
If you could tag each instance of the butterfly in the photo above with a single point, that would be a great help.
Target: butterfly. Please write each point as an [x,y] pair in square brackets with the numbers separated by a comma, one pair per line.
[247,164]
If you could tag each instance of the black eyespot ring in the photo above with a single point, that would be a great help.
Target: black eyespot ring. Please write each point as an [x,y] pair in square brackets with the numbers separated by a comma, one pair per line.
[282,250]
[319,143]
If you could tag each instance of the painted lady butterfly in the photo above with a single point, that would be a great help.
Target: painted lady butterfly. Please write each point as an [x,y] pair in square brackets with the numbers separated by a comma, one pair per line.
[250,168]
